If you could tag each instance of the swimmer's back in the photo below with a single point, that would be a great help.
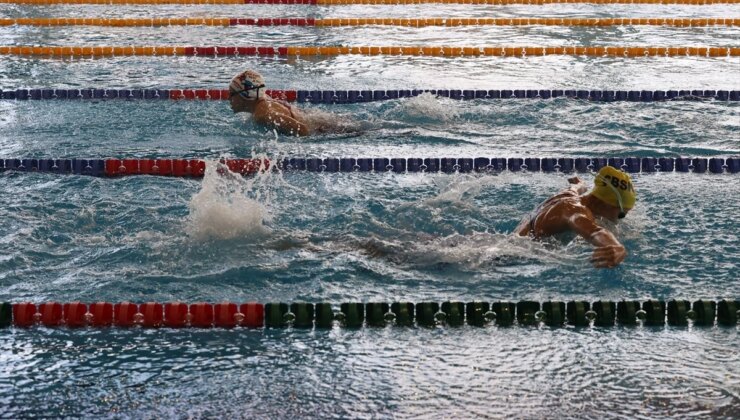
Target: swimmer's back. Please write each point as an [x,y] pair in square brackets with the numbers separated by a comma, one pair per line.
[281,116]
[550,217]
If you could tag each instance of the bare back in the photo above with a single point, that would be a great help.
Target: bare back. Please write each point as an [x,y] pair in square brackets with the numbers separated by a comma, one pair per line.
[554,215]
[281,116]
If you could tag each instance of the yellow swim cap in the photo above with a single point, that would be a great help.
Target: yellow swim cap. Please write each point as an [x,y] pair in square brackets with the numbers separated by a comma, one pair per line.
[614,187]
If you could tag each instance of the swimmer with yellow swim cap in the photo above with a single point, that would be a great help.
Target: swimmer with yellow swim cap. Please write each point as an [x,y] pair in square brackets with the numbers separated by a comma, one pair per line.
[612,197]
[246,94]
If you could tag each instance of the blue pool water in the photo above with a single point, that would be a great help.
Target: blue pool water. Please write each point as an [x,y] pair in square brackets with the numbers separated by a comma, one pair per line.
[365,237]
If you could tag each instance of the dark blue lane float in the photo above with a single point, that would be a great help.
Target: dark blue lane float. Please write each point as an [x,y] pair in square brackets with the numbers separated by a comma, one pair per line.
[359,96]
[651,313]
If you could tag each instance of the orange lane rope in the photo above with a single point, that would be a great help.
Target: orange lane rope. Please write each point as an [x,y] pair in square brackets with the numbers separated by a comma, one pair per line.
[421,22]
[437,51]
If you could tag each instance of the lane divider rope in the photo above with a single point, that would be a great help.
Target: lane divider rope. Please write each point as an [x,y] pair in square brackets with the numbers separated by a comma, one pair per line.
[332,22]
[655,313]
[438,51]
[370,2]
[197,167]
[358,96]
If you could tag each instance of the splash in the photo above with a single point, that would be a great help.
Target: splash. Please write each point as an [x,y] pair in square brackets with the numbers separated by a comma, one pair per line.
[459,190]
[430,108]
[228,206]
[471,252]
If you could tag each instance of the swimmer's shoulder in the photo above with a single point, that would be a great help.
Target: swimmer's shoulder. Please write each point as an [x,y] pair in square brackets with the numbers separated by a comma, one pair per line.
[569,202]
[562,198]
[267,108]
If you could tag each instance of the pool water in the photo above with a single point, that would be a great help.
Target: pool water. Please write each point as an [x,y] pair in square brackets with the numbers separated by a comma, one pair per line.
[365,237]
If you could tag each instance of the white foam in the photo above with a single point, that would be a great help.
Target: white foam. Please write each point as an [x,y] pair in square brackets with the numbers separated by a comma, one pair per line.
[228,206]
[429,107]
[471,252]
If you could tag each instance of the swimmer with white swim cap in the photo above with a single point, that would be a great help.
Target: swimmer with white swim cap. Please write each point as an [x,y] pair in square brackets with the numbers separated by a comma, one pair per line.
[245,96]
[612,197]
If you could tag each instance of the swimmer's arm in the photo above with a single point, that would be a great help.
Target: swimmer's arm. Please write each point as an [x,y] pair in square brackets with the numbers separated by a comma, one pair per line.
[608,252]
[282,123]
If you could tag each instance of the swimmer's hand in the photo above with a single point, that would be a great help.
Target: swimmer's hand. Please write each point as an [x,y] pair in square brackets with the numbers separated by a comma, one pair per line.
[608,256]
[577,185]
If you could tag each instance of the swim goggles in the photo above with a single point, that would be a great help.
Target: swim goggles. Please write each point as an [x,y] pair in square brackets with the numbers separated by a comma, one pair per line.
[244,93]
[622,213]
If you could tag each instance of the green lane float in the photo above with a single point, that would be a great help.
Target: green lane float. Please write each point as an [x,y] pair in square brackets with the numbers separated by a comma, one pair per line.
[324,315]
[704,311]
[454,313]
[679,312]
[577,313]
[353,314]
[6,315]
[654,312]
[377,313]
[554,313]
[504,312]
[303,314]
[476,313]
[276,315]
[426,313]
[606,313]
[627,312]
[728,312]
[526,312]
[404,313]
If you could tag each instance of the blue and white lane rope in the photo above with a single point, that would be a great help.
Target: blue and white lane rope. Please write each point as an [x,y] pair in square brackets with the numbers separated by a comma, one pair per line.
[358,96]
[196,167]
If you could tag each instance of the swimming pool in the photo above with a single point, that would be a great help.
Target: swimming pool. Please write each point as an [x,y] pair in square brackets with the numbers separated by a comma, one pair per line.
[387,237]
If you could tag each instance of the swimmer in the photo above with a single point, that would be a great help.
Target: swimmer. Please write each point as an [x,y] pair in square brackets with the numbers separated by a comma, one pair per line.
[570,211]
[245,96]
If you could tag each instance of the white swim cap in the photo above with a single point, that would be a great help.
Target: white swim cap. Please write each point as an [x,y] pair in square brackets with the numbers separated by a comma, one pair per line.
[247,84]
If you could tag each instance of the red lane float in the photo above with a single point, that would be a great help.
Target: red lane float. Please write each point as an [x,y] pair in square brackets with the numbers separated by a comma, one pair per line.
[179,167]
[125,314]
[175,314]
[284,95]
[226,315]
[50,314]
[146,315]
[223,94]
[75,314]
[163,167]
[24,314]
[150,315]
[201,315]
[254,314]
[100,314]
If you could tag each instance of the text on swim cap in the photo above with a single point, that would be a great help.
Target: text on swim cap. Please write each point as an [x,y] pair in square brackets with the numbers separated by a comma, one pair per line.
[622,184]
